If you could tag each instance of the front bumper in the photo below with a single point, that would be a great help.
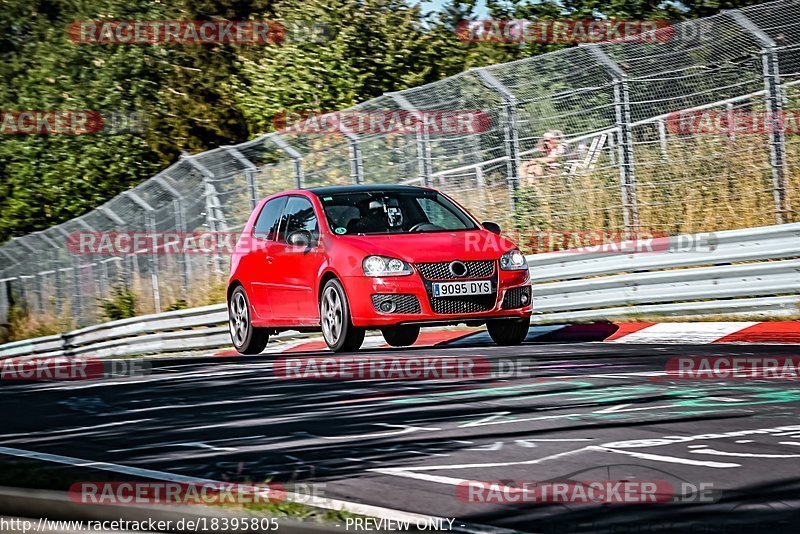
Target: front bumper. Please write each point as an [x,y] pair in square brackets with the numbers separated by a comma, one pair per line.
[361,290]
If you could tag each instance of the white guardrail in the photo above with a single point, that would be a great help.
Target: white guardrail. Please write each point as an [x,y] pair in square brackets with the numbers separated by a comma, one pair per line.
[754,271]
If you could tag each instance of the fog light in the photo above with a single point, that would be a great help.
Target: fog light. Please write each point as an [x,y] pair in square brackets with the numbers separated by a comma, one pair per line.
[524,298]
[387,306]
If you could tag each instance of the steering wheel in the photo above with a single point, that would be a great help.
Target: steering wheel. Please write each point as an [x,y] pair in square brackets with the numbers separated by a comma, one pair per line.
[425,226]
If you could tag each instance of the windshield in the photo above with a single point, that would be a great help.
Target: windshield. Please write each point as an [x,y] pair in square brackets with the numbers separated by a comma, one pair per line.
[393,212]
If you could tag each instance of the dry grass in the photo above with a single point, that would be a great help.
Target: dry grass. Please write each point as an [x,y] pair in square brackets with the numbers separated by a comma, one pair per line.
[25,325]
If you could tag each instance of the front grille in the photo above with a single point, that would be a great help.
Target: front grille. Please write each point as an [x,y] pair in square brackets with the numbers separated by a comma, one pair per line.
[403,303]
[458,305]
[441,270]
[513,298]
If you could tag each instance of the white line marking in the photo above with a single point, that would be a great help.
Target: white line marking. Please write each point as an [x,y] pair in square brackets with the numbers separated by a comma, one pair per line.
[310,500]
[398,470]
[75,429]
[404,429]
[661,458]
[742,454]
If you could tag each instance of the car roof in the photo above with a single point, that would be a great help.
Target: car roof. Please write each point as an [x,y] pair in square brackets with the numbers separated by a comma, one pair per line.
[334,189]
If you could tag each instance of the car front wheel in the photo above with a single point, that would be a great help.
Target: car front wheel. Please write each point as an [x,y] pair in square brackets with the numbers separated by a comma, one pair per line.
[508,332]
[246,338]
[400,336]
[334,313]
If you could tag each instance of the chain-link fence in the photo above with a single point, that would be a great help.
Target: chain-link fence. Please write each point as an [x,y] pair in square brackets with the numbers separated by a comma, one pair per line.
[607,137]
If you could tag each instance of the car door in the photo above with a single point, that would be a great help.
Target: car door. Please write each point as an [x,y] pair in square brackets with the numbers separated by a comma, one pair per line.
[259,258]
[295,267]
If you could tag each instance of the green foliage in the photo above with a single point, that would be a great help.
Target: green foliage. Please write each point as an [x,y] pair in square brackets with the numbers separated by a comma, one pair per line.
[199,97]
[121,305]
[179,304]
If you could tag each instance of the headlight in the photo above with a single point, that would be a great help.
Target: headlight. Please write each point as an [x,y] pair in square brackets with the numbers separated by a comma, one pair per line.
[513,260]
[383,266]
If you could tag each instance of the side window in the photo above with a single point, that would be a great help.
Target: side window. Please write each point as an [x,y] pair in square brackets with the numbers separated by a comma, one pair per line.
[267,222]
[298,215]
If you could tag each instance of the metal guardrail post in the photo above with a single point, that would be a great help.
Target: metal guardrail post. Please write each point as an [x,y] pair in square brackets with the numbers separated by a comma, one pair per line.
[295,155]
[185,262]
[356,158]
[215,219]
[5,300]
[150,222]
[112,215]
[120,224]
[773,101]
[41,235]
[510,132]
[622,110]
[214,213]
[422,137]
[250,170]
[34,291]
[662,138]
[76,300]
[180,226]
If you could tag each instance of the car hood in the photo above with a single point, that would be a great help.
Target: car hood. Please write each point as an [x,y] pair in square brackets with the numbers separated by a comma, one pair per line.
[434,246]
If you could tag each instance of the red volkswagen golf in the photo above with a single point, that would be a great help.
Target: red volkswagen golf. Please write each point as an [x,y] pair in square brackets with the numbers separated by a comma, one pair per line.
[394,258]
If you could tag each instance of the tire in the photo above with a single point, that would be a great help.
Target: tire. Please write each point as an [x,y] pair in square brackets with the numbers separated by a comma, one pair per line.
[507,332]
[334,314]
[246,338]
[400,336]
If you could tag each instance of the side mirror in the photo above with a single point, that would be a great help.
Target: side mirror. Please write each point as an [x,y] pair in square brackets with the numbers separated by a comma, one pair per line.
[492,227]
[301,238]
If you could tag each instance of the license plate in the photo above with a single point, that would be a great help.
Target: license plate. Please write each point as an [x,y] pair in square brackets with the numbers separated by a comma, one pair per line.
[457,289]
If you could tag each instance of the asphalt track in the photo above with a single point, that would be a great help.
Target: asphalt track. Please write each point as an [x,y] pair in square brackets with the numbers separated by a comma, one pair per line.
[579,412]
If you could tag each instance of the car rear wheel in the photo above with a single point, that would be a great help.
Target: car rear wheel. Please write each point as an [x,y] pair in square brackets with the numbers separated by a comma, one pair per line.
[508,332]
[334,313]
[401,336]
[246,338]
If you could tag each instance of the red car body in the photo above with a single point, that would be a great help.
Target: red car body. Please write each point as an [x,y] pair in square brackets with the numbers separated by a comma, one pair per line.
[283,282]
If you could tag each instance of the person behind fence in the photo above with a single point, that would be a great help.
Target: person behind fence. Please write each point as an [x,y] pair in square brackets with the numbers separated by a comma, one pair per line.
[553,148]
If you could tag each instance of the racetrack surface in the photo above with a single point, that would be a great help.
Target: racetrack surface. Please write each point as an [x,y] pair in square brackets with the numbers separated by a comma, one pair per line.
[579,412]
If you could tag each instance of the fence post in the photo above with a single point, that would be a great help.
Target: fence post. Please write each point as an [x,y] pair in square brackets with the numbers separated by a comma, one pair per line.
[120,224]
[180,226]
[774,119]
[41,235]
[5,300]
[76,300]
[662,138]
[510,132]
[250,170]
[214,216]
[356,158]
[422,137]
[150,222]
[295,155]
[622,111]
[33,297]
